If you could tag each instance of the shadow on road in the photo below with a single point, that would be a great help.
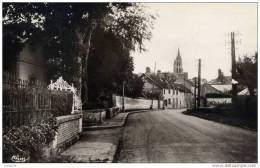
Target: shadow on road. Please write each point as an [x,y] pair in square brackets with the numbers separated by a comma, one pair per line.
[224,117]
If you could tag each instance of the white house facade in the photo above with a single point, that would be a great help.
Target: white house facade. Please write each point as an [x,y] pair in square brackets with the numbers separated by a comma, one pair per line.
[177,98]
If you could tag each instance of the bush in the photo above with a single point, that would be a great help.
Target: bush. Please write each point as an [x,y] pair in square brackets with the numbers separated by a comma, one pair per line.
[28,141]
[61,103]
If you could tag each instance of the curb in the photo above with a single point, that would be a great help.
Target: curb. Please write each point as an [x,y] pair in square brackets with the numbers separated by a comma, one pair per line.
[114,126]
[119,141]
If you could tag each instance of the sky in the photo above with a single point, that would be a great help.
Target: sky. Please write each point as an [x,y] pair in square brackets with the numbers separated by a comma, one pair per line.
[199,30]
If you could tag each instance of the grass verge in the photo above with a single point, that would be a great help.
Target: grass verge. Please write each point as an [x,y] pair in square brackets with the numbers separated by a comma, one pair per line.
[226,117]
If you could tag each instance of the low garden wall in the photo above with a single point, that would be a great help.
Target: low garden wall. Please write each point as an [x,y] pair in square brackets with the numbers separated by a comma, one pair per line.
[69,129]
[96,116]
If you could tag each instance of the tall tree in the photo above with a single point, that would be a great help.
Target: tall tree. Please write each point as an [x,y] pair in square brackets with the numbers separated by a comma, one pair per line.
[126,20]
[109,65]
[19,27]
[246,73]
[134,88]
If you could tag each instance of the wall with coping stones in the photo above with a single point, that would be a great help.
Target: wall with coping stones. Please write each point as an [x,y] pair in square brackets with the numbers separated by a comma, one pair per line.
[70,127]
[97,116]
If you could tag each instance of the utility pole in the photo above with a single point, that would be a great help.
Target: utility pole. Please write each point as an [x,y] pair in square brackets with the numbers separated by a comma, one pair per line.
[151,107]
[199,80]
[123,98]
[195,94]
[233,61]
[184,92]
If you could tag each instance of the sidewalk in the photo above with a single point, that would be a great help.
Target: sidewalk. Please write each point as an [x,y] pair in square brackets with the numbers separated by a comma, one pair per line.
[117,121]
[94,147]
[99,143]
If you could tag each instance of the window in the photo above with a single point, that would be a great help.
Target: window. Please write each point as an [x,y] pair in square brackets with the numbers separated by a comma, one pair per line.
[173,91]
[169,91]
[176,92]
[163,91]
[169,101]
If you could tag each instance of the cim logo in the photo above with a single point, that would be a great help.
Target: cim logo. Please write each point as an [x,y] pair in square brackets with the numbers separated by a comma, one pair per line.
[18,159]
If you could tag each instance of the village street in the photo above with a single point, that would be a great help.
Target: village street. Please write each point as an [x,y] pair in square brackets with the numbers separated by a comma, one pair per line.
[130,82]
[170,136]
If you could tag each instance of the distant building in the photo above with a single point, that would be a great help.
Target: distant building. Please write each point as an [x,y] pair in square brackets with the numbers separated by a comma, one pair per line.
[222,83]
[177,96]
[177,67]
[150,84]
[29,64]
[218,90]
[176,88]
[174,95]
[178,75]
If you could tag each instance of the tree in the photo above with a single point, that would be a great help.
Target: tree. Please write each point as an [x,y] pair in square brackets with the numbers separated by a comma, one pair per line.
[246,73]
[155,94]
[19,27]
[134,88]
[109,65]
[126,20]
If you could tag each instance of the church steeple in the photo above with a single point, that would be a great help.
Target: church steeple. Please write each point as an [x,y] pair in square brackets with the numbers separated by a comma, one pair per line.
[178,54]
[177,67]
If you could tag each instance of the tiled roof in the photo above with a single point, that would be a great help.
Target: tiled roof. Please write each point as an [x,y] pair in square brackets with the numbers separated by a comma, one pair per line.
[153,80]
[225,80]
[163,83]
[182,88]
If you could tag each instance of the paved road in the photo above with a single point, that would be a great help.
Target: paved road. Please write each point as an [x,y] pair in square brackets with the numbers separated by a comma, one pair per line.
[170,136]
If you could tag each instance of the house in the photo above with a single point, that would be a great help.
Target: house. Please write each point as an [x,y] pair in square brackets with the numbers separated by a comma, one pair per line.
[29,64]
[175,87]
[177,96]
[222,83]
[174,95]
[151,83]
[217,91]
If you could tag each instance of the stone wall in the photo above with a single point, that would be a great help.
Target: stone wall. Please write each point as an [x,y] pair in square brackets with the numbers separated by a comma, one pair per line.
[93,117]
[70,127]
[97,116]
[136,104]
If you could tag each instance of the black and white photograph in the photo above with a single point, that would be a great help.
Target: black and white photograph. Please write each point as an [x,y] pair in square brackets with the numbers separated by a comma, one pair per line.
[129,82]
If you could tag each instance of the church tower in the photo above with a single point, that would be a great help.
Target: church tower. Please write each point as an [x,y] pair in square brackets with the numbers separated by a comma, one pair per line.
[177,67]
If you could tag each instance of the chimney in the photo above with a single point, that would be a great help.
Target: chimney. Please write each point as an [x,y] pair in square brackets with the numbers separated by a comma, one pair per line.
[219,73]
[147,70]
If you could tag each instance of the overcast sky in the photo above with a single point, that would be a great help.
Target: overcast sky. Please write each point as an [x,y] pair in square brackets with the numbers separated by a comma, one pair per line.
[200,30]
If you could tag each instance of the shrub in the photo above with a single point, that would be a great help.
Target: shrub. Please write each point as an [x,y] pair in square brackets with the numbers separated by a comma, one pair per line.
[61,103]
[28,141]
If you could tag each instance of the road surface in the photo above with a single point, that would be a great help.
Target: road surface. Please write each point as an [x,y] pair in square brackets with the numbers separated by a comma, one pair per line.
[170,136]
